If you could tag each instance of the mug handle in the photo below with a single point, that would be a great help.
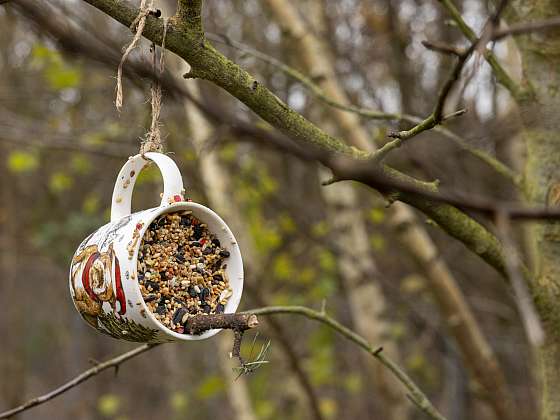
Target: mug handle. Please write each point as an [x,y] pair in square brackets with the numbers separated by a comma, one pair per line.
[122,193]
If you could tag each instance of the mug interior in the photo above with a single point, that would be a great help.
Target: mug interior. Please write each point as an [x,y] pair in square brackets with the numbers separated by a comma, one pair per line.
[234,269]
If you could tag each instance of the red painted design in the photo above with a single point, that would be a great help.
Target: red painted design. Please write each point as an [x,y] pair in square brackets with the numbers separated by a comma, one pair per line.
[85,276]
[119,289]
[177,198]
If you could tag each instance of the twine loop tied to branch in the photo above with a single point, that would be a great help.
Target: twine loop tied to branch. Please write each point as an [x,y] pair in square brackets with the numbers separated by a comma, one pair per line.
[152,141]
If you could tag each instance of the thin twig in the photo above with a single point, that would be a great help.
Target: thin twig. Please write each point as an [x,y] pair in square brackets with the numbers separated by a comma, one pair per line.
[526,28]
[501,75]
[305,81]
[436,117]
[84,376]
[443,48]
[416,394]
[365,112]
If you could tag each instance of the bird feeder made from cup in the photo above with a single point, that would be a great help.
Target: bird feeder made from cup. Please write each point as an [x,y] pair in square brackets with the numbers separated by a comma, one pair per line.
[103,274]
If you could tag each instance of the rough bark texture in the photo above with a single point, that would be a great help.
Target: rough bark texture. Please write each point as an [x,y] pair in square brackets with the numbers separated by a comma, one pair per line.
[541,61]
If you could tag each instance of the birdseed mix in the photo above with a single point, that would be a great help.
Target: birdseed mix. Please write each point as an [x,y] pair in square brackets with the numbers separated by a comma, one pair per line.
[181,270]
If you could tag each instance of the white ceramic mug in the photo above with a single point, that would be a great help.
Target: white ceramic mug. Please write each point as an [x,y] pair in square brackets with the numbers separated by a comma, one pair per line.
[103,274]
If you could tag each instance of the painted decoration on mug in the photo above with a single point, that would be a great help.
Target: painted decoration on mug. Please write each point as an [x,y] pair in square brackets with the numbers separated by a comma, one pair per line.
[94,287]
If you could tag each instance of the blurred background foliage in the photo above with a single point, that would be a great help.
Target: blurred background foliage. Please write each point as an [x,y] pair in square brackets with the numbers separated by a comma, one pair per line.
[63,143]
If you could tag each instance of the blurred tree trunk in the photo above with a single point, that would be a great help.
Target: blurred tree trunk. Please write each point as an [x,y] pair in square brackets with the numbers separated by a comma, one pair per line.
[541,61]
[474,347]
[218,191]
[215,183]
[355,261]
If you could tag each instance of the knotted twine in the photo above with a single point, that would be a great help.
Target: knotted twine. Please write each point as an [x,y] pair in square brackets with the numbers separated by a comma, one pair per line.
[152,141]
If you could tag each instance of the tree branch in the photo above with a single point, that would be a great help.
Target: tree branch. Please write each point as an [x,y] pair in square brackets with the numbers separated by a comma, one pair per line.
[245,320]
[215,67]
[501,75]
[415,394]
[237,322]
[84,376]
[369,113]
[526,28]
[196,325]
[443,48]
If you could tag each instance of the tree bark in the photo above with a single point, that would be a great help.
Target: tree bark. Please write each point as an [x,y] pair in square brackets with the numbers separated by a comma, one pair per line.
[541,61]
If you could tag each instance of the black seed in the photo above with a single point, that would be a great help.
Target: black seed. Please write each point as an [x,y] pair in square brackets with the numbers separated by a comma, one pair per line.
[178,315]
[220,308]
[161,221]
[224,253]
[197,232]
[193,310]
[163,275]
[196,244]
[206,308]
[160,310]
[216,242]
[153,285]
[200,270]
[218,277]
[204,293]
[179,258]
[163,299]
[208,251]
[150,298]
[192,292]
[140,276]
[185,221]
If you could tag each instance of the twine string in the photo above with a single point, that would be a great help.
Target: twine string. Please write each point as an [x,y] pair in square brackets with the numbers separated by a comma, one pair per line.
[152,141]
[138,23]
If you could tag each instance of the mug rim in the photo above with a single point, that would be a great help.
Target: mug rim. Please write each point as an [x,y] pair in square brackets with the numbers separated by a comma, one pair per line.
[169,209]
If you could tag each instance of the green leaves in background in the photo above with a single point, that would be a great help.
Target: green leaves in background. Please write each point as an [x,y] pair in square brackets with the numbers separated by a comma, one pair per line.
[178,401]
[60,182]
[58,74]
[321,363]
[377,215]
[20,161]
[108,405]
[210,387]
[81,164]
